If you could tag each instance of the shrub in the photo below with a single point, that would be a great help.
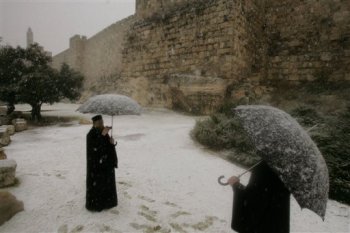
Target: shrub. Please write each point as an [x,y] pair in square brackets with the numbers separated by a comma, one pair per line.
[220,132]
[334,143]
[307,116]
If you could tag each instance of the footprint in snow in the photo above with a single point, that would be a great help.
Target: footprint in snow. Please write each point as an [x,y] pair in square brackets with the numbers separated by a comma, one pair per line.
[146,198]
[126,194]
[149,228]
[114,211]
[178,228]
[150,215]
[171,204]
[179,213]
[125,184]
[64,229]
[76,229]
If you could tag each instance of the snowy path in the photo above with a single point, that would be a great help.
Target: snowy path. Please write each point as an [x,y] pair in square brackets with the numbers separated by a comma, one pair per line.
[165,181]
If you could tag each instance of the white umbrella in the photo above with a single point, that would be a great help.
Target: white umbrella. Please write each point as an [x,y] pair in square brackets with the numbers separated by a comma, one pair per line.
[112,105]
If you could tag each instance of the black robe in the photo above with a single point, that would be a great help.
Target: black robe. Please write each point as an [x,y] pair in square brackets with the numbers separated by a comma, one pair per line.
[101,158]
[263,206]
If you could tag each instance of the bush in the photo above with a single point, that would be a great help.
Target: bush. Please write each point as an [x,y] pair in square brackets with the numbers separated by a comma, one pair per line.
[220,132]
[307,116]
[334,143]
[333,140]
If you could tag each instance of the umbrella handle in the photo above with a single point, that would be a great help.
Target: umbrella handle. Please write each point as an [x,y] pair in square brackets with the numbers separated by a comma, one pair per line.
[225,183]
[220,181]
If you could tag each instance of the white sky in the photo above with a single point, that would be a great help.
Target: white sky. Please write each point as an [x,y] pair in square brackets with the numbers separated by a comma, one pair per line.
[54,21]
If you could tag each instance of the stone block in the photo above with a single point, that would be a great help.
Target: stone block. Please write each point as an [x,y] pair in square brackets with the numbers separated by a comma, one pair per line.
[7,172]
[5,120]
[9,206]
[20,124]
[3,111]
[2,154]
[11,129]
[4,136]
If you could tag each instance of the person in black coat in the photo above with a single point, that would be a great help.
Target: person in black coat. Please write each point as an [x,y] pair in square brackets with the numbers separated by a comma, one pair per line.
[263,206]
[102,159]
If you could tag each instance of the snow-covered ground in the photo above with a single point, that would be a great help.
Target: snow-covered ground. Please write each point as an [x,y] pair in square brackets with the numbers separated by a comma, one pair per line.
[165,182]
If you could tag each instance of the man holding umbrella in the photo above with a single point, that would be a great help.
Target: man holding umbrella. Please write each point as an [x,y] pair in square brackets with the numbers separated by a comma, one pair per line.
[101,154]
[290,163]
[263,205]
[101,160]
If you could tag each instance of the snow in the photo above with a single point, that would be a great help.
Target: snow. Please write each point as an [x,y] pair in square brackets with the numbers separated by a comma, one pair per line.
[111,104]
[165,180]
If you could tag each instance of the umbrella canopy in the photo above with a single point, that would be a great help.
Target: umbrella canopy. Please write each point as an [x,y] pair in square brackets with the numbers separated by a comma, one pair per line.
[110,104]
[290,152]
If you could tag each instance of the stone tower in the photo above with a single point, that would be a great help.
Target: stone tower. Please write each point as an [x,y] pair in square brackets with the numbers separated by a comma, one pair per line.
[30,37]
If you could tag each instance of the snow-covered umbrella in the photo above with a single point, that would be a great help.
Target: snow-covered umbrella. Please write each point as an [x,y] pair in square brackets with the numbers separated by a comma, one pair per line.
[290,152]
[111,104]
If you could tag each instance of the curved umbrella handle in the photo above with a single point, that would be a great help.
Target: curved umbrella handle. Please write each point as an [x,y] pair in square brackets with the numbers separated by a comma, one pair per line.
[220,181]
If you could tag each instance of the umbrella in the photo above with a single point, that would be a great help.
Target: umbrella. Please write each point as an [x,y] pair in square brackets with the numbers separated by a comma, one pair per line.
[290,152]
[111,104]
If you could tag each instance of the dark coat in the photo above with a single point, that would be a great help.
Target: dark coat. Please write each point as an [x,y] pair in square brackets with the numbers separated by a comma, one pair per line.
[262,206]
[101,158]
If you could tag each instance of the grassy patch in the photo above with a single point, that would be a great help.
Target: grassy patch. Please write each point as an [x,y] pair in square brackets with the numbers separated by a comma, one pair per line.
[50,120]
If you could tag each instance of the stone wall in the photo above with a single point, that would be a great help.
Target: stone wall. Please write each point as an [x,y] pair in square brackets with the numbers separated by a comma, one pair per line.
[146,8]
[308,39]
[192,56]
[195,54]
[73,56]
[98,58]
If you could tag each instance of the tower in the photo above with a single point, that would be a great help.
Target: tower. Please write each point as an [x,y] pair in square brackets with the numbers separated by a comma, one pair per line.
[30,37]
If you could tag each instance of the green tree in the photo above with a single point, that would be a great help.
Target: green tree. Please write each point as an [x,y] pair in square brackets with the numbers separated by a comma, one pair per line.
[43,84]
[26,76]
[70,82]
[12,67]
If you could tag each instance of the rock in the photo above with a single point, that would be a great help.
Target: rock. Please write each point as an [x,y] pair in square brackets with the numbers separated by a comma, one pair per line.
[2,154]
[4,136]
[5,120]
[84,121]
[11,129]
[9,206]
[7,172]
[20,124]
[3,111]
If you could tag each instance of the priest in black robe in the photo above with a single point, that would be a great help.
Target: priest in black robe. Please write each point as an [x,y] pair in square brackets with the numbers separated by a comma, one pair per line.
[102,159]
[263,206]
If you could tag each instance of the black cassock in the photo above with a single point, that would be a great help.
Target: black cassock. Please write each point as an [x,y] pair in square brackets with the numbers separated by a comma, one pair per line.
[263,205]
[101,158]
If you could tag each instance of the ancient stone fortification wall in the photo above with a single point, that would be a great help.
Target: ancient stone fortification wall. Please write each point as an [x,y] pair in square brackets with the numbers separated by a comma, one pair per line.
[72,56]
[308,39]
[194,55]
[98,58]
[146,8]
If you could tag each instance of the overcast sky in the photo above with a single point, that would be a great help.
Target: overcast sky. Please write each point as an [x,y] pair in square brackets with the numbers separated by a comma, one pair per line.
[55,21]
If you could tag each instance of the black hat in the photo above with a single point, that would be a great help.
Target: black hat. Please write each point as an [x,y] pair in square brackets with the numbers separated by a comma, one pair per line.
[96,118]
